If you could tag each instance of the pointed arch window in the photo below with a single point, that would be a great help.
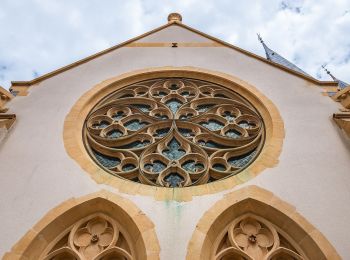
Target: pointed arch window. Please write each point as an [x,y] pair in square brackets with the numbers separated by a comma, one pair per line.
[253,224]
[101,226]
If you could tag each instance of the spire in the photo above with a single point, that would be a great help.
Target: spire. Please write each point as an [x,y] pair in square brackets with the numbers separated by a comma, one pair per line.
[275,57]
[341,84]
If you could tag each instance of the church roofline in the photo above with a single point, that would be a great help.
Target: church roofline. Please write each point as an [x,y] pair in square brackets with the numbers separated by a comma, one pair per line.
[170,23]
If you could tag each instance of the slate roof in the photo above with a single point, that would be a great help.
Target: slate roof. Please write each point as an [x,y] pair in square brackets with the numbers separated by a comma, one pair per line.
[341,84]
[275,57]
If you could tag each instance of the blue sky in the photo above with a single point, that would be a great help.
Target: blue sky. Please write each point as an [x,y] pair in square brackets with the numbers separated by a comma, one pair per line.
[38,36]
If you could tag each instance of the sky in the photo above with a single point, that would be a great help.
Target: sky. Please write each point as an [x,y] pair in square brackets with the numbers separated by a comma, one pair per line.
[38,36]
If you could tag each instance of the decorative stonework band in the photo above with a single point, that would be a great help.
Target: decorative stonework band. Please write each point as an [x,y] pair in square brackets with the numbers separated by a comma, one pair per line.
[268,157]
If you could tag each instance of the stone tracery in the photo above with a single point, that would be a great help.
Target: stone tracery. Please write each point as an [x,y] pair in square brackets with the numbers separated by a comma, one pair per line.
[174,132]
[96,237]
[253,238]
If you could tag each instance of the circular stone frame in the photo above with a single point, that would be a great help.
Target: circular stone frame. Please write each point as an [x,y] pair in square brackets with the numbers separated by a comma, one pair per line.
[74,123]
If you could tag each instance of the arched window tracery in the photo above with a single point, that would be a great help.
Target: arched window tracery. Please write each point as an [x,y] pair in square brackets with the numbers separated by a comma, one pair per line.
[97,237]
[98,226]
[253,224]
[251,237]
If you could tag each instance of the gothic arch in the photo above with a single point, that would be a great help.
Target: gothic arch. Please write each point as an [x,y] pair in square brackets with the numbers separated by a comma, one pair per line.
[99,226]
[268,157]
[221,232]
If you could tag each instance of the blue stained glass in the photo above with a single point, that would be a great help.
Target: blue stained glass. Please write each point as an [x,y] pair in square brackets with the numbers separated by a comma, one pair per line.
[212,144]
[219,167]
[161,132]
[114,134]
[134,145]
[203,108]
[102,124]
[174,151]
[157,166]
[174,179]
[163,117]
[142,107]
[135,125]
[191,166]
[105,160]
[233,134]
[229,116]
[174,105]
[186,132]
[242,160]
[160,94]
[212,125]
[119,115]
[184,117]
[128,167]
[246,125]
[187,94]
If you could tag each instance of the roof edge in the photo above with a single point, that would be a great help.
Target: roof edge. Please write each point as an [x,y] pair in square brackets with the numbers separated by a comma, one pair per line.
[226,44]
[87,59]
[253,55]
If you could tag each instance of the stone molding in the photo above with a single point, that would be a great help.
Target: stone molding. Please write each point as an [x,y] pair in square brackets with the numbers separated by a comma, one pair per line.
[343,96]
[6,120]
[140,228]
[343,121]
[260,202]
[73,126]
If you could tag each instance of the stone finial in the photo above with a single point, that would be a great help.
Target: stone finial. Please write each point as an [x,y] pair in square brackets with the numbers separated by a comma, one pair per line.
[174,17]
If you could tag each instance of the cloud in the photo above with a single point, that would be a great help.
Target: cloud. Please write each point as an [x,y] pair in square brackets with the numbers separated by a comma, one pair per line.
[39,36]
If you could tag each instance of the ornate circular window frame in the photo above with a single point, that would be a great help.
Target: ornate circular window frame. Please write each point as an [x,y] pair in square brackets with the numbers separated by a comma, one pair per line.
[268,157]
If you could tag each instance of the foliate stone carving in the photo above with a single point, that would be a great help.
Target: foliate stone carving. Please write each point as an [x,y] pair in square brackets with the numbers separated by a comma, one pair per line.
[96,237]
[174,132]
[251,237]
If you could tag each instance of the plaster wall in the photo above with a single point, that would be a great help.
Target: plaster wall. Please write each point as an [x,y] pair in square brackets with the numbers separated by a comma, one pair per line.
[36,174]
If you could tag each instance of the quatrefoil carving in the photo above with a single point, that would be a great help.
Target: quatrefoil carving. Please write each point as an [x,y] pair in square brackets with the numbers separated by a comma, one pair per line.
[174,132]
[95,237]
[253,238]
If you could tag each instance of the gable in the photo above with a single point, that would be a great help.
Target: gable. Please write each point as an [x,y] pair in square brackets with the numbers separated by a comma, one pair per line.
[164,36]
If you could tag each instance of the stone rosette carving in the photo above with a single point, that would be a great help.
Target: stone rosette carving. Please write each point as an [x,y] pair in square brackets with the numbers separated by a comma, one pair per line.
[96,237]
[251,237]
[174,132]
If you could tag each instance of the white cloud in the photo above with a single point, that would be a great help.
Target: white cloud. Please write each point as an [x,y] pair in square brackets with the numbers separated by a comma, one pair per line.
[39,36]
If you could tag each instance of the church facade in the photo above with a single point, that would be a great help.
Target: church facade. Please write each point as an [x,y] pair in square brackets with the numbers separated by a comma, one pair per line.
[175,145]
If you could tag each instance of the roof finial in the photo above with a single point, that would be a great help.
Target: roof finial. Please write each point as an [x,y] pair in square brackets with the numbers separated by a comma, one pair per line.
[174,17]
[259,37]
[328,72]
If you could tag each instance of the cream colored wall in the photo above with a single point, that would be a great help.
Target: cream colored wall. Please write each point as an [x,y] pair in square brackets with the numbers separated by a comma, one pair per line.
[313,173]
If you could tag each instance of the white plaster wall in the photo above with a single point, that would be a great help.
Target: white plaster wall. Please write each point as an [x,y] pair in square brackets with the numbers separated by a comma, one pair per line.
[36,174]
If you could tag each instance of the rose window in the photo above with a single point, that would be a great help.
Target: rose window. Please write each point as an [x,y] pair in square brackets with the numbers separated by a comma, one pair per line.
[174,132]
